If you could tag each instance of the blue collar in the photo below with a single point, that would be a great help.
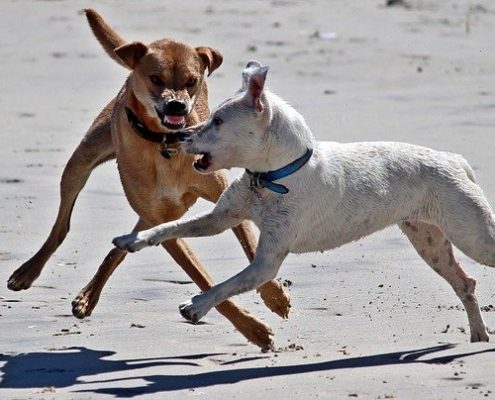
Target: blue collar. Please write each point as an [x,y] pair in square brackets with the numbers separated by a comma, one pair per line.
[265,179]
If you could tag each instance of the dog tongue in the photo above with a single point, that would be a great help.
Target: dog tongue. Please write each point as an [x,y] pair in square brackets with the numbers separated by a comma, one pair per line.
[174,119]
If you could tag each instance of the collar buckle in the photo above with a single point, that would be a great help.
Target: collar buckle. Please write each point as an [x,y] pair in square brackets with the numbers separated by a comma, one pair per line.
[255,180]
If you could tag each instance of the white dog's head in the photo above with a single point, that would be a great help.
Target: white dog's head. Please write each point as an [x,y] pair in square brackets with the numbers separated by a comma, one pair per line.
[235,133]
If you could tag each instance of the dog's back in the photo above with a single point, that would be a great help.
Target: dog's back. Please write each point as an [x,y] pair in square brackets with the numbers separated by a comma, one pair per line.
[359,188]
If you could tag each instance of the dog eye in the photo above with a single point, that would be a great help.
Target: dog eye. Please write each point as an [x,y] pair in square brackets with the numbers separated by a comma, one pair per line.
[156,80]
[217,121]
[191,82]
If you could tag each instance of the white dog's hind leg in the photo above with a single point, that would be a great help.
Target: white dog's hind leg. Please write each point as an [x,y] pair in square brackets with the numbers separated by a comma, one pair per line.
[434,247]
[466,218]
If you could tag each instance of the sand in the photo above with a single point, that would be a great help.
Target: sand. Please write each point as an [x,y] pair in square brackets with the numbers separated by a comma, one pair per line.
[369,320]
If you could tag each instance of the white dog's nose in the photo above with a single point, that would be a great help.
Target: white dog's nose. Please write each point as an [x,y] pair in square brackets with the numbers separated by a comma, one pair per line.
[184,136]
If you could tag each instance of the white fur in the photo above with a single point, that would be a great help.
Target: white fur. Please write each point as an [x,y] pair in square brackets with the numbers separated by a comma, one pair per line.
[344,192]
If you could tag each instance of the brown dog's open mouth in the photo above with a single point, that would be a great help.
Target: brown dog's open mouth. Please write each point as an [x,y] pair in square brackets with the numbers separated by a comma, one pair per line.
[202,161]
[174,121]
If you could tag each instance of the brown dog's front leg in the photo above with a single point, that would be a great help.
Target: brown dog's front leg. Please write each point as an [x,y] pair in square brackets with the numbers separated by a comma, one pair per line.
[87,299]
[273,294]
[253,329]
[95,148]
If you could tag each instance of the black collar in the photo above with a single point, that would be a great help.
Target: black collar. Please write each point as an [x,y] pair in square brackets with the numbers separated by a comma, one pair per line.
[151,136]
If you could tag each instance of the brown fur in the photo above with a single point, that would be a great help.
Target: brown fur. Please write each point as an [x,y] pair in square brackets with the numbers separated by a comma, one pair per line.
[159,190]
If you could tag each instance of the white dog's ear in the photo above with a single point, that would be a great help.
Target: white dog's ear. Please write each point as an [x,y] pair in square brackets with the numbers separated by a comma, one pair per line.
[255,85]
[246,72]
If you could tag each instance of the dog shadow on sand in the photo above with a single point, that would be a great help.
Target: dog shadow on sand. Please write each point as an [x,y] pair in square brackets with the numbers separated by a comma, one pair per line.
[63,369]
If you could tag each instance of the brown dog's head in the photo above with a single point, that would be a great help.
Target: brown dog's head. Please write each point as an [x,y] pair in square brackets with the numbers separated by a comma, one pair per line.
[167,77]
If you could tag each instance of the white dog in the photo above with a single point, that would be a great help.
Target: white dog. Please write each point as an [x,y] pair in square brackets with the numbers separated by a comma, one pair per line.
[327,194]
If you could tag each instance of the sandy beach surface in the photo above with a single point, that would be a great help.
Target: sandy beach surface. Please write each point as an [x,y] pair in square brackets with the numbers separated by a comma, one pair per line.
[369,320]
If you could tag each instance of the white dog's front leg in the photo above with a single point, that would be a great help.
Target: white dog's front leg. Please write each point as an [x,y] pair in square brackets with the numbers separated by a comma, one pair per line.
[208,224]
[262,269]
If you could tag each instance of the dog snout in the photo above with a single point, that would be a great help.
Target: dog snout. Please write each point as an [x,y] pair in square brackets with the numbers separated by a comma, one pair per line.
[176,107]
[184,137]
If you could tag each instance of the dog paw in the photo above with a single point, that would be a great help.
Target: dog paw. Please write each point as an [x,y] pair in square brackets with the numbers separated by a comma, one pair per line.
[275,298]
[23,277]
[192,311]
[83,305]
[480,336]
[134,241]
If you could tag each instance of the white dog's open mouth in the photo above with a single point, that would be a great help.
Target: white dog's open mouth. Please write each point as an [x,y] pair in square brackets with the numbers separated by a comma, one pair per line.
[202,161]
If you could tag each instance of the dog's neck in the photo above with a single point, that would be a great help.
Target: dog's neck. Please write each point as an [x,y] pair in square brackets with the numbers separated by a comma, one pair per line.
[287,138]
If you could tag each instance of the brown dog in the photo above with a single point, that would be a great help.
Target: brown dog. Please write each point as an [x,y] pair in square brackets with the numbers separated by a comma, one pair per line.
[165,91]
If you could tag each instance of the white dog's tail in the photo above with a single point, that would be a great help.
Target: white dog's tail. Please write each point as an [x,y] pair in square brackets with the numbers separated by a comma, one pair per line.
[466,167]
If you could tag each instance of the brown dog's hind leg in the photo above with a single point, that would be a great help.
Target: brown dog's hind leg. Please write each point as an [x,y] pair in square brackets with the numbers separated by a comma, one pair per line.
[95,148]
[272,293]
[253,329]
[434,247]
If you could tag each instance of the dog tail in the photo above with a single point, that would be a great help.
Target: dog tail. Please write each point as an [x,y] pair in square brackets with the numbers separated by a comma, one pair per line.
[104,33]
[467,168]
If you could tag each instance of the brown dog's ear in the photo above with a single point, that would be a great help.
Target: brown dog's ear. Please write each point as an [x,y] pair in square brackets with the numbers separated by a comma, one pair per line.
[211,58]
[131,53]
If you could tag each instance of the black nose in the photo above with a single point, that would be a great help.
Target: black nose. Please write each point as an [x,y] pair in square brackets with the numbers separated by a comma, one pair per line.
[175,107]
[184,135]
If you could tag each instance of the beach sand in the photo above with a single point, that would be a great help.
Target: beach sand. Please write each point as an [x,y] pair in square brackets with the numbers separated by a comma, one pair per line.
[369,320]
